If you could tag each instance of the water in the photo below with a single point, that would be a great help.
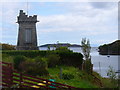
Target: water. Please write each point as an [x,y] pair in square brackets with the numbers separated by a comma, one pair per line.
[100,63]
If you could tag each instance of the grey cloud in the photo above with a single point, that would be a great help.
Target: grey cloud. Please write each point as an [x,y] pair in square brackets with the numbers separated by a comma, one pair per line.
[103,5]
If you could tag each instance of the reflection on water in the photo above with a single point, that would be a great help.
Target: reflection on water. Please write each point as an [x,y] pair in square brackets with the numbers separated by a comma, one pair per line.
[100,63]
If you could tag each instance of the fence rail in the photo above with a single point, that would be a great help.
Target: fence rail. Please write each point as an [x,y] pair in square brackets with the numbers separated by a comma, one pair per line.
[12,78]
[97,80]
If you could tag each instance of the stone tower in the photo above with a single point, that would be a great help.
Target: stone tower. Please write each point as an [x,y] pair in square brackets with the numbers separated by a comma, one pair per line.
[27,36]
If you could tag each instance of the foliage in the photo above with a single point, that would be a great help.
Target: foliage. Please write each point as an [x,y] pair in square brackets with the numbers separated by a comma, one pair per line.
[81,78]
[111,73]
[18,62]
[86,48]
[66,58]
[108,84]
[37,66]
[64,49]
[71,59]
[7,58]
[87,65]
[53,60]
[7,47]
[67,75]
[27,53]
[78,81]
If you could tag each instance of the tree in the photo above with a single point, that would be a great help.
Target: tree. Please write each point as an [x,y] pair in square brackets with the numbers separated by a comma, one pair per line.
[87,65]
[86,49]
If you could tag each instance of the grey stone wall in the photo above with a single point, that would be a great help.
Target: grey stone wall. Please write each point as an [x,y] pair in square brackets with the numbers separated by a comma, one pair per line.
[26,22]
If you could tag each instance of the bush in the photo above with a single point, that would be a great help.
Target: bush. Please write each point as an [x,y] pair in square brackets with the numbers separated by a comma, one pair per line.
[71,59]
[53,60]
[63,49]
[37,66]
[7,47]
[18,62]
[67,75]
[7,58]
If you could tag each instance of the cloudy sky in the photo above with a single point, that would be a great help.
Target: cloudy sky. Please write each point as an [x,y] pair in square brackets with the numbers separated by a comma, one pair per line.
[66,22]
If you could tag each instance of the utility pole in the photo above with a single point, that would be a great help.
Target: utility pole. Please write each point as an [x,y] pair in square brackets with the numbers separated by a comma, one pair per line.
[99,69]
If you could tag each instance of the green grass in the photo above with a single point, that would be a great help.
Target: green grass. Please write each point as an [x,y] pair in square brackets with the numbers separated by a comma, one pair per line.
[81,79]
[107,83]
[7,58]
[78,81]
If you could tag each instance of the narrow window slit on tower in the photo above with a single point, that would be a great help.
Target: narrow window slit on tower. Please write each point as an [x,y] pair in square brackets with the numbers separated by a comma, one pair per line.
[28,36]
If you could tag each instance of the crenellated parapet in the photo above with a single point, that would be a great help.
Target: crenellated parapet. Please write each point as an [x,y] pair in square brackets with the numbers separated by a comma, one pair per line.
[25,18]
[27,35]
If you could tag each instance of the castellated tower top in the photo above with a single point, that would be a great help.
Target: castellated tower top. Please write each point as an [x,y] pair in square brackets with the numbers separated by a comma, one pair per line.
[25,18]
[27,34]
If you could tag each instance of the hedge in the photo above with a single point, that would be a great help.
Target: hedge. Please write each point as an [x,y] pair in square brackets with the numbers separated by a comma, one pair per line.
[66,58]
[27,53]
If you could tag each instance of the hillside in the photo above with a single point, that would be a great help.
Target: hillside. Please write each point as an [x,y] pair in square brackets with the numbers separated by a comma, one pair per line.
[110,49]
[61,44]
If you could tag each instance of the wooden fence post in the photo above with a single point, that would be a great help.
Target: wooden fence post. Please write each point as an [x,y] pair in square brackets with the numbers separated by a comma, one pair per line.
[47,84]
[10,75]
[21,80]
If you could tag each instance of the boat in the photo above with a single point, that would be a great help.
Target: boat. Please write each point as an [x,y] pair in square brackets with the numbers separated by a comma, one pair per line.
[108,55]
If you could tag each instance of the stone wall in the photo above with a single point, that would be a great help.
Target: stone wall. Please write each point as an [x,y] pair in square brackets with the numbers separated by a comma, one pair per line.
[27,23]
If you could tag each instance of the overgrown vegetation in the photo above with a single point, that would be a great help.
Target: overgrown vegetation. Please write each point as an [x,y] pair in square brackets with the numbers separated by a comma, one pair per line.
[53,60]
[112,75]
[65,58]
[7,46]
[36,66]
[47,64]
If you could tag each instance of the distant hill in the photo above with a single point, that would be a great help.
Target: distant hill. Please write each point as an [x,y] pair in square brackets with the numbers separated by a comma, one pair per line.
[110,49]
[61,44]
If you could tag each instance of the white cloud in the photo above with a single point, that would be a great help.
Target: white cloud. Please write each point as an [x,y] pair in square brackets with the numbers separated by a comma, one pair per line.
[87,20]
[73,22]
[82,17]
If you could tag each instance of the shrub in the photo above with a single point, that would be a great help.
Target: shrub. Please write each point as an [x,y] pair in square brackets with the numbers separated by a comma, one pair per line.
[7,47]
[7,58]
[111,73]
[63,49]
[18,62]
[71,59]
[37,66]
[67,75]
[53,60]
